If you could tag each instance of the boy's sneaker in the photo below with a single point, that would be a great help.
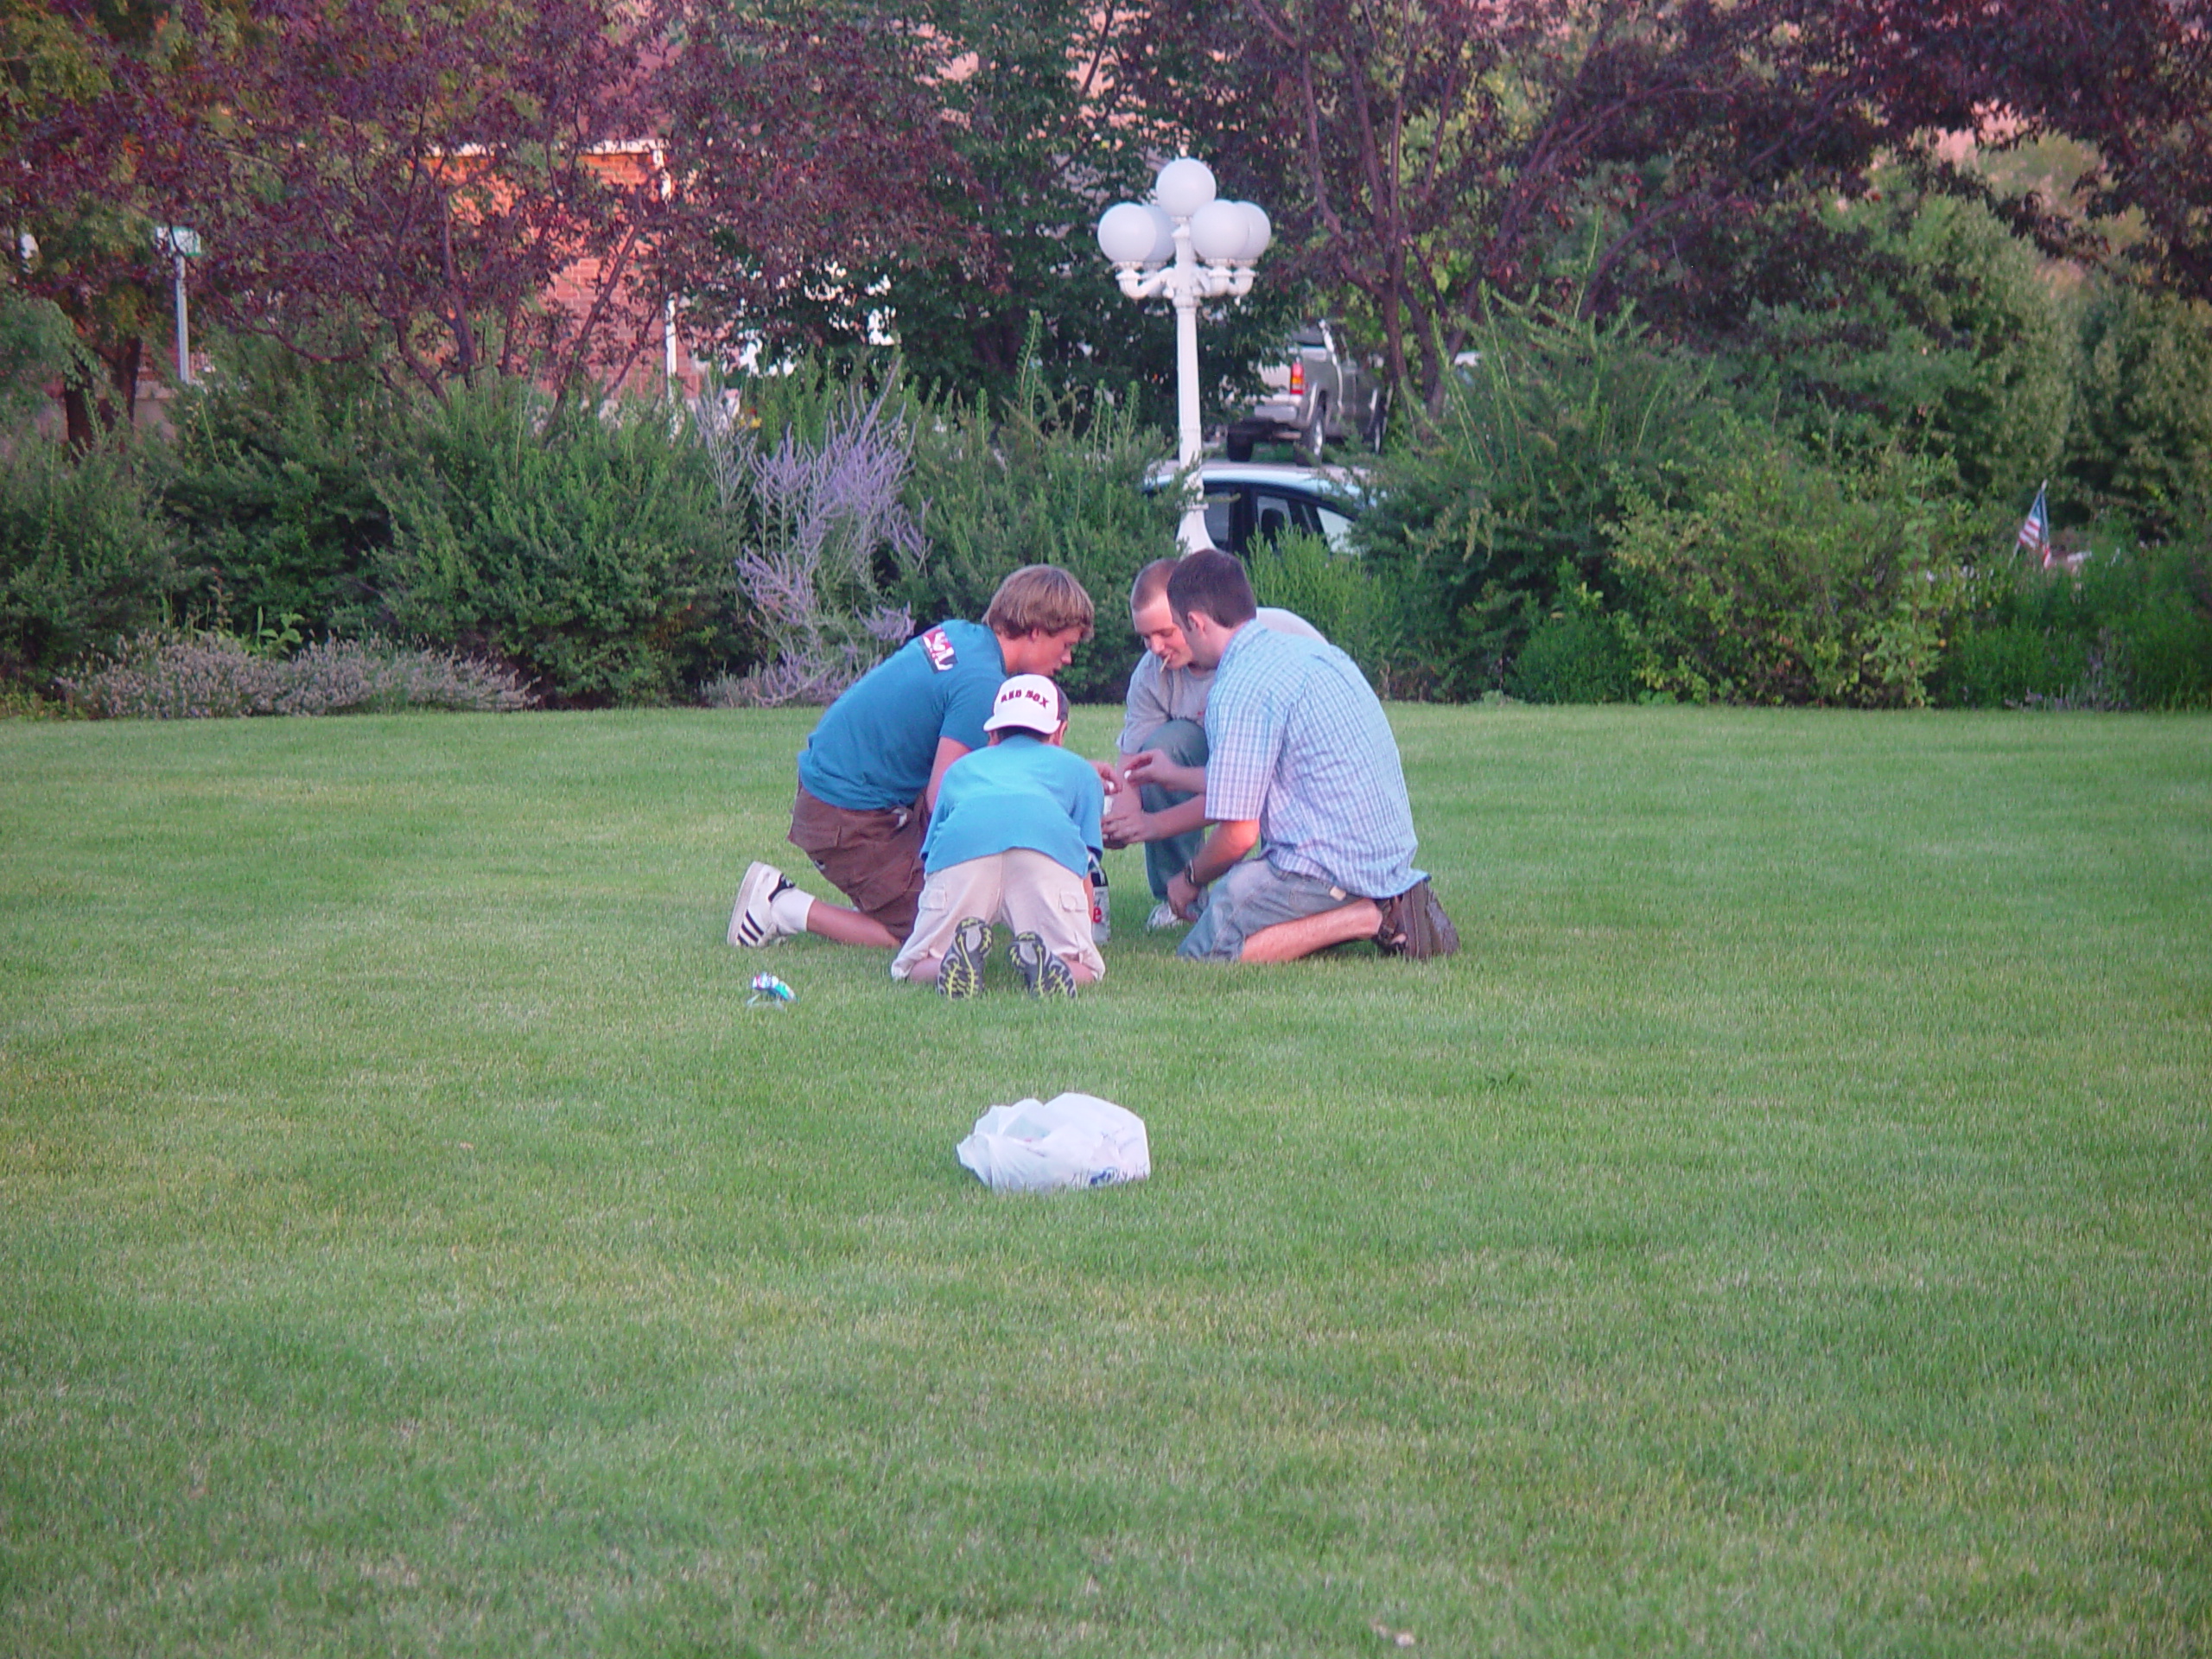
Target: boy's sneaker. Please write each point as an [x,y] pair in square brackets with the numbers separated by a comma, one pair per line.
[1044,974]
[753,922]
[961,972]
[1163,917]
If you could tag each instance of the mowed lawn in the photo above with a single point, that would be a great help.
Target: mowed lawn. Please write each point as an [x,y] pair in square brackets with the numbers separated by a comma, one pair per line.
[1786,1228]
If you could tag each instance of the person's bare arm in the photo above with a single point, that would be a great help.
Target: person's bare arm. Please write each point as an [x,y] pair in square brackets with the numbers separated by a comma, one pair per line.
[1223,850]
[948,751]
[1129,824]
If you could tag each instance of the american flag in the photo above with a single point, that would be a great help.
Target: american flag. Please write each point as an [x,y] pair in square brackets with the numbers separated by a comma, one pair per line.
[2035,529]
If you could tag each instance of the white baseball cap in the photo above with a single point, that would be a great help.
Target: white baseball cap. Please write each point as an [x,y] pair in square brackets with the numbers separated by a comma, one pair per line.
[1030,702]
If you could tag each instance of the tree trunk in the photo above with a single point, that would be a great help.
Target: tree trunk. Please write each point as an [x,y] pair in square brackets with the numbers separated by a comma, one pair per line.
[94,409]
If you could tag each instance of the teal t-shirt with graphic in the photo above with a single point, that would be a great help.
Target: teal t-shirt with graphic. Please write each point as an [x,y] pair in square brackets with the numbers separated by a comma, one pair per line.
[1024,792]
[875,745]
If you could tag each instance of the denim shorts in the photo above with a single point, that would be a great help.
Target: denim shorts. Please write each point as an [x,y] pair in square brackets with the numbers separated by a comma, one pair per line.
[1253,895]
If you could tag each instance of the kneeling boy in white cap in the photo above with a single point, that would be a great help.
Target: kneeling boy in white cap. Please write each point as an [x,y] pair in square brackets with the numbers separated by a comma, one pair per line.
[1010,841]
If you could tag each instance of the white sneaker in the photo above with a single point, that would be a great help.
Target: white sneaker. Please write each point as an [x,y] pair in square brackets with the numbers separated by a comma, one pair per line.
[754,922]
[1163,917]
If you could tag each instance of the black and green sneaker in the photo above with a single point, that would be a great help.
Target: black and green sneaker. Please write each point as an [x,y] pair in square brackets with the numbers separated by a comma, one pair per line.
[1044,974]
[961,973]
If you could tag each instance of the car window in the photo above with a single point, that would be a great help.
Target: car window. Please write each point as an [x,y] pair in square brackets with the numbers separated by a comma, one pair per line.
[1336,527]
[1221,513]
[1273,515]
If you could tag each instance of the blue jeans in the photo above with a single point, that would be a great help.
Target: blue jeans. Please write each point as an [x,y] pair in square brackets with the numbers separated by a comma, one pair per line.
[1183,742]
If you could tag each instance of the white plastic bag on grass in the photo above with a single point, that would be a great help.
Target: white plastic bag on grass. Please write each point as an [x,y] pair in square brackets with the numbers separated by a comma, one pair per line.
[1068,1140]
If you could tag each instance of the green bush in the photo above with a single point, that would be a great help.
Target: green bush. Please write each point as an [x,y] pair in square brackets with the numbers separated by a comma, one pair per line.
[2131,628]
[2140,444]
[586,547]
[2007,665]
[1580,653]
[1520,474]
[1342,596]
[1790,581]
[274,488]
[84,553]
[2168,635]
[1051,481]
[1941,335]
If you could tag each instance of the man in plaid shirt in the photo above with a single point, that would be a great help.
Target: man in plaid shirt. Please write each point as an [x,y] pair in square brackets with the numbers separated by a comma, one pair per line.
[1302,765]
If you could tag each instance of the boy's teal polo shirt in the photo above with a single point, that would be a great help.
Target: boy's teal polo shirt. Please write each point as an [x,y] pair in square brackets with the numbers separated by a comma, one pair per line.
[1024,792]
[876,744]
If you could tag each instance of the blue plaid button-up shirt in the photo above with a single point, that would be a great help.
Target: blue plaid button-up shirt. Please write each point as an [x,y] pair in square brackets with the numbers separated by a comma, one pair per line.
[1296,739]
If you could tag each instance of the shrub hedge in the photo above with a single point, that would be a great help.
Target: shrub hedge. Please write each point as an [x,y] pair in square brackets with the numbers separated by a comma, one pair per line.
[165,674]
[2131,628]
[1784,581]
[585,547]
[85,554]
[1585,515]
[1517,476]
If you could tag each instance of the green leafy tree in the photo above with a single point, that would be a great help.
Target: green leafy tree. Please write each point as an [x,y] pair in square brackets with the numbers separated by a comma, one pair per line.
[1002,129]
[1423,154]
[2141,445]
[37,345]
[1933,327]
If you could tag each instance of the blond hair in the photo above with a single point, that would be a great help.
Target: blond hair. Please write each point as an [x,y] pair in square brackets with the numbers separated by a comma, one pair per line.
[1151,583]
[1039,599]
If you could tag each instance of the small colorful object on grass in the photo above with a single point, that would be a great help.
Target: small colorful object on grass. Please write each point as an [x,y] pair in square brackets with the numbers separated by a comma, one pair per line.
[769,992]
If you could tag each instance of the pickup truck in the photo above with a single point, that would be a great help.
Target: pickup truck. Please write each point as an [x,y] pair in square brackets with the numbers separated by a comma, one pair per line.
[1323,395]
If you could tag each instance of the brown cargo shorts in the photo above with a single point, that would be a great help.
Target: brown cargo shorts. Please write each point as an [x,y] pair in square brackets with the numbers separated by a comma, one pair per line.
[874,858]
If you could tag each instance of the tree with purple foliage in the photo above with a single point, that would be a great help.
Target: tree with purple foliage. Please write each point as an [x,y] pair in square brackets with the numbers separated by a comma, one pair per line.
[1602,151]
[412,178]
[94,107]
[452,191]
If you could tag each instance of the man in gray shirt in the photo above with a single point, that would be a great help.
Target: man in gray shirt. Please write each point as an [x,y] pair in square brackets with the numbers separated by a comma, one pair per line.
[1159,789]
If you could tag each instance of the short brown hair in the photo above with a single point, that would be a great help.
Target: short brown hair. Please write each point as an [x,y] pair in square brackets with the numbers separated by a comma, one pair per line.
[1208,580]
[1038,598]
[1151,582]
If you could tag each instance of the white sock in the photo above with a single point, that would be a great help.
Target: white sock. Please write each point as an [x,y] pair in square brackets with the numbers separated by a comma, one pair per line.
[791,908]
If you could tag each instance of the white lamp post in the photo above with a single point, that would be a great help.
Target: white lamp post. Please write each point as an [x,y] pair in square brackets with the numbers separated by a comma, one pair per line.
[180,244]
[1191,246]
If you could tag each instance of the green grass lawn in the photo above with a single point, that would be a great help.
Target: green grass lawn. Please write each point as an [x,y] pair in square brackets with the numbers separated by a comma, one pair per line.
[1786,1226]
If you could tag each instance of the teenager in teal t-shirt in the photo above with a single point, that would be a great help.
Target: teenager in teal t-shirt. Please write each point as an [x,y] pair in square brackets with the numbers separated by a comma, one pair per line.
[868,778]
[876,746]
[1011,842]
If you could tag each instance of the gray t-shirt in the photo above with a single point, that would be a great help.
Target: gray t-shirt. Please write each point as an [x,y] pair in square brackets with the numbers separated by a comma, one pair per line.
[1159,694]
